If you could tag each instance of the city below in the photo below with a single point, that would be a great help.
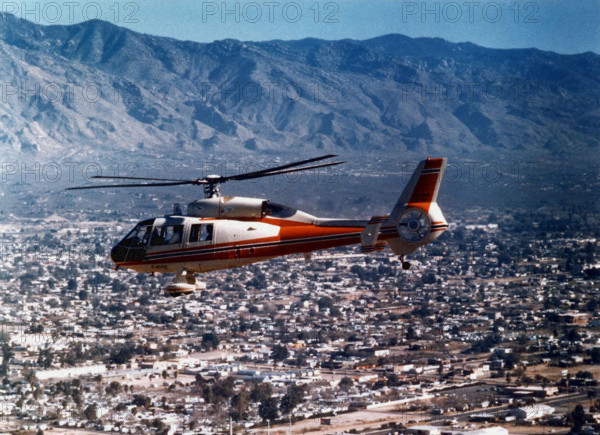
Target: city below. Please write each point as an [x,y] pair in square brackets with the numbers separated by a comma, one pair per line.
[494,330]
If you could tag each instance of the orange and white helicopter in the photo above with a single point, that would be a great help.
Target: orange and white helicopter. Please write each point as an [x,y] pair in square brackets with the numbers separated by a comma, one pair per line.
[222,232]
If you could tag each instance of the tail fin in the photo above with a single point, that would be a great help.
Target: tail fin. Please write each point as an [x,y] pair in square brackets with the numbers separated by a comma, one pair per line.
[423,187]
[416,218]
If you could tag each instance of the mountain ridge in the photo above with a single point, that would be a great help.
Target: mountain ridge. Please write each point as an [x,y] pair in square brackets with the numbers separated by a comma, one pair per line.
[112,89]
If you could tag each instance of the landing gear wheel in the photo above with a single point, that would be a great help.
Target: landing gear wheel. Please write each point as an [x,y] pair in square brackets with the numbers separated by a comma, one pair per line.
[405,264]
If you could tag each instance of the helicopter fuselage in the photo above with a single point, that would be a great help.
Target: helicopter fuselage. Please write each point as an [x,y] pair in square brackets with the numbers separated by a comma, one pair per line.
[202,244]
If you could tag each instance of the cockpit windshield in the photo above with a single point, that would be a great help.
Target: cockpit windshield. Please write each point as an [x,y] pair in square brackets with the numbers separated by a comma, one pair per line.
[278,210]
[133,246]
[138,237]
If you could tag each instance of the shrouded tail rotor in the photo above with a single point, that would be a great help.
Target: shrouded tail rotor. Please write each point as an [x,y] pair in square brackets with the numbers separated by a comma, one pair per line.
[417,217]
[414,224]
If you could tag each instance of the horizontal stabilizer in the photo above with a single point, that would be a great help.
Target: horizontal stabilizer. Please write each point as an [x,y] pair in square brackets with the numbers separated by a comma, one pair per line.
[368,237]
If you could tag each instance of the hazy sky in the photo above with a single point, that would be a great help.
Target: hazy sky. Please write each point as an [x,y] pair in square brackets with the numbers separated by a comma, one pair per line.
[564,26]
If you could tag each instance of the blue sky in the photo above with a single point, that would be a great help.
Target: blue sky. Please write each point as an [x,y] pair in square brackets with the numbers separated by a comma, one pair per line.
[557,25]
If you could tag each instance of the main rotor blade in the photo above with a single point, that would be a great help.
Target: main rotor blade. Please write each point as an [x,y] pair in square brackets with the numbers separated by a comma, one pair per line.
[210,180]
[108,177]
[105,186]
[260,173]
[285,171]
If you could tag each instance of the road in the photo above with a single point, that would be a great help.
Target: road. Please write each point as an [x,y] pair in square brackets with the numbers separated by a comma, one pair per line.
[551,401]
[464,416]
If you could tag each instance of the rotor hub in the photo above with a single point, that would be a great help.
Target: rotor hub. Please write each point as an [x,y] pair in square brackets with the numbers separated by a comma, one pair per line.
[414,225]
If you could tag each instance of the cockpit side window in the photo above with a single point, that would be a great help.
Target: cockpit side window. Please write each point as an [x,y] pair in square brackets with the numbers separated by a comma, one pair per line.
[201,233]
[144,235]
[167,235]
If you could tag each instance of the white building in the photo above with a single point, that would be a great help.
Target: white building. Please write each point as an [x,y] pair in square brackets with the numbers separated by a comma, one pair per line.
[423,430]
[71,372]
[533,412]
[496,430]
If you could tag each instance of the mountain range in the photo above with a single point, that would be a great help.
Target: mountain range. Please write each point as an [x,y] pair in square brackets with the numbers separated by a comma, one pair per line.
[93,88]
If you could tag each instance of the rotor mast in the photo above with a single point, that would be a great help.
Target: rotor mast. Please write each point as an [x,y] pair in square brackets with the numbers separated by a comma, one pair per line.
[212,189]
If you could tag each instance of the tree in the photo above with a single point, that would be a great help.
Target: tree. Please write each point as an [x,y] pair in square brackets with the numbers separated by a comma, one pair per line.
[45,358]
[522,338]
[325,302]
[117,286]
[72,285]
[484,344]
[429,278]
[7,354]
[122,354]
[378,385]
[584,374]
[158,424]
[90,412]
[578,418]
[239,406]
[141,401]
[346,383]
[573,335]
[510,360]
[279,353]
[261,392]
[113,388]
[210,340]
[292,398]
[268,409]
[223,389]
[392,380]
[301,360]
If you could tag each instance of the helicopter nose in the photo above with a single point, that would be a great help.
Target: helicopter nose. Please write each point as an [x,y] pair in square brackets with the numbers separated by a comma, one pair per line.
[118,254]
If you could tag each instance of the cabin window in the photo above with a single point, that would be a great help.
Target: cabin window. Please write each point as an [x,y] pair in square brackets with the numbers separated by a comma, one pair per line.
[201,233]
[167,235]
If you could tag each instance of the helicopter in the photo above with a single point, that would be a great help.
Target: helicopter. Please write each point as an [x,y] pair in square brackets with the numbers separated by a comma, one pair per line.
[223,232]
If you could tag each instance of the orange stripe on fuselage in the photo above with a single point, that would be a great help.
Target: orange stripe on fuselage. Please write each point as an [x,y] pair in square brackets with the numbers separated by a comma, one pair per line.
[291,236]
[305,231]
